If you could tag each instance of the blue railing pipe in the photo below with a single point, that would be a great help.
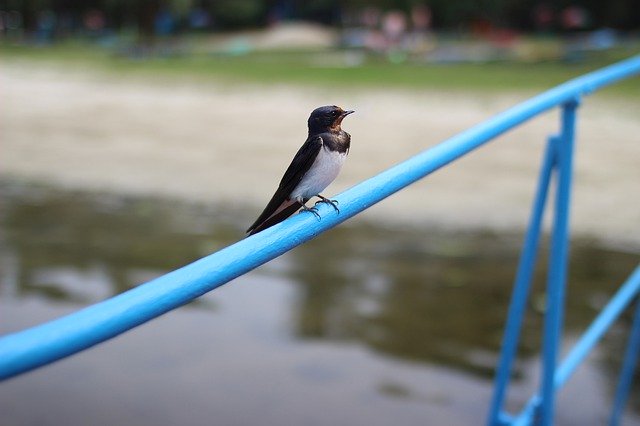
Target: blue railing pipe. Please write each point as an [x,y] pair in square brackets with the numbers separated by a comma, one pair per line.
[43,344]
[558,259]
[605,319]
[611,312]
[522,284]
[628,367]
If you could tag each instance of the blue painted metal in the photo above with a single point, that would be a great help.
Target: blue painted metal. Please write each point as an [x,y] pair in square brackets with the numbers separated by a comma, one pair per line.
[559,255]
[609,314]
[522,285]
[559,159]
[628,367]
[629,290]
[43,344]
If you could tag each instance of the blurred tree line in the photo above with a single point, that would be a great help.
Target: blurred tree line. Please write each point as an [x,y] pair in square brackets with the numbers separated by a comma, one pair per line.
[154,16]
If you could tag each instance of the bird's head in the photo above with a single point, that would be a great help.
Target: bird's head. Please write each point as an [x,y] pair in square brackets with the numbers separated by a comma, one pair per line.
[326,118]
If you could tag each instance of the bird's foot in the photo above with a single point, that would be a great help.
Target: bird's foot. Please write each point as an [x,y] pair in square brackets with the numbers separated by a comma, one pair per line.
[312,210]
[334,203]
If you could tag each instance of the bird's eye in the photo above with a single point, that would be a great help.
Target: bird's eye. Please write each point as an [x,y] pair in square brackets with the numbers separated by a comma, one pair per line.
[334,113]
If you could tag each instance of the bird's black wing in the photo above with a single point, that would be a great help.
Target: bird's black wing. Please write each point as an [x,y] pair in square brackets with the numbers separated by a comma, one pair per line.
[299,166]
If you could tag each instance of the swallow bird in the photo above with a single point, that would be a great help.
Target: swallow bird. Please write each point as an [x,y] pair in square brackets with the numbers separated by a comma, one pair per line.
[314,167]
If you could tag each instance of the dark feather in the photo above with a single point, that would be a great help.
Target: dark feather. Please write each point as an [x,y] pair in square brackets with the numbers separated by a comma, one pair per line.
[300,165]
[276,218]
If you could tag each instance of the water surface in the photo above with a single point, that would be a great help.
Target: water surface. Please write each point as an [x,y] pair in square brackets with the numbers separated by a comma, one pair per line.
[364,325]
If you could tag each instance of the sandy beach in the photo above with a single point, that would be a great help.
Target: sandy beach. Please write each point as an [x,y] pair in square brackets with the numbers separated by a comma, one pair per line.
[230,144]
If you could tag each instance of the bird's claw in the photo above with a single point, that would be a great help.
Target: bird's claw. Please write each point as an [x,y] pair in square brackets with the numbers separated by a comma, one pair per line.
[312,210]
[334,203]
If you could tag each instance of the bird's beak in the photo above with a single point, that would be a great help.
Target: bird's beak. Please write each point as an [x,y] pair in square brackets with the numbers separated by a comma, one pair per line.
[341,117]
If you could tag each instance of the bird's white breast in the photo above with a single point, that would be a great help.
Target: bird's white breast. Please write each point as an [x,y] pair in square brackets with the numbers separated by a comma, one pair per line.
[322,172]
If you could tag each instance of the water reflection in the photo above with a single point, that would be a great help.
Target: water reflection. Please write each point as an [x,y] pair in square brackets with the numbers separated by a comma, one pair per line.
[433,296]
[425,296]
[81,248]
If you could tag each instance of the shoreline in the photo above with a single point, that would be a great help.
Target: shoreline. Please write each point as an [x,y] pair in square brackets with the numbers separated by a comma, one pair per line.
[229,145]
[240,215]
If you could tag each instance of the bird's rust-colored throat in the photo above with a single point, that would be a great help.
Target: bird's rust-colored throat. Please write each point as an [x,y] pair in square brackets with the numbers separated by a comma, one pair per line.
[338,122]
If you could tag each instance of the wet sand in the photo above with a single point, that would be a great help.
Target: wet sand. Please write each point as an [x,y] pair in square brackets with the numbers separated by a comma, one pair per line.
[230,144]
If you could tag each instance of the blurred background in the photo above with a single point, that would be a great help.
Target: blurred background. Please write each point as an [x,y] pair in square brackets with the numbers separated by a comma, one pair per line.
[138,136]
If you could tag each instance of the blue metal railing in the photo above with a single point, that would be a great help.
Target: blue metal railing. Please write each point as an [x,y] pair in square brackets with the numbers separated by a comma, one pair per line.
[46,343]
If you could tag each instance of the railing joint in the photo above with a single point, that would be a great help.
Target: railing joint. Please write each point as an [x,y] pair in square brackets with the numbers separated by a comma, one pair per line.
[504,419]
[573,103]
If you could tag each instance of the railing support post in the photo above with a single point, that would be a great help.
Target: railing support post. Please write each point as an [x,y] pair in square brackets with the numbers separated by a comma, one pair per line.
[626,371]
[559,258]
[522,285]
